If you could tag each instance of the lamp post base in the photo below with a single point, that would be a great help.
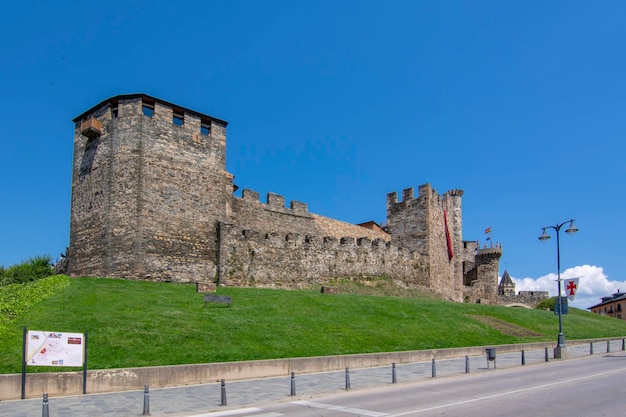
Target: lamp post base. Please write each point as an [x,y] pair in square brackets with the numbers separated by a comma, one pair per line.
[561,352]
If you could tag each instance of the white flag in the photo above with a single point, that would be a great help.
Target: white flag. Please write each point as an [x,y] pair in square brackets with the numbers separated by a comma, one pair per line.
[571,286]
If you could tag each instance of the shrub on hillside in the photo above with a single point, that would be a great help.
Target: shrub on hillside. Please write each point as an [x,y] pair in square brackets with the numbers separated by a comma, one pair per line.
[31,270]
[547,304]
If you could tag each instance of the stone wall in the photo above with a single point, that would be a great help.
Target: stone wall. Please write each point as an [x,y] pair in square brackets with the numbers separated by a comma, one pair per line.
[293,260]
[91,198]
[526,298]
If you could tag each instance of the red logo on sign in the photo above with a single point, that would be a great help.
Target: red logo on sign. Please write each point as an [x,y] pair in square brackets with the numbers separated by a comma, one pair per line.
[74,340]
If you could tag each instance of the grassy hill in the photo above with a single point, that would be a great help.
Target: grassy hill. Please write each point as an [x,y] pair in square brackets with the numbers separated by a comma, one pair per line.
[136,323]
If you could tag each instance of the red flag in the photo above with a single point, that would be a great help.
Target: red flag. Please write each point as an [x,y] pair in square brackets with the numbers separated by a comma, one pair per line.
[448,240]
[488,230]
[571,286]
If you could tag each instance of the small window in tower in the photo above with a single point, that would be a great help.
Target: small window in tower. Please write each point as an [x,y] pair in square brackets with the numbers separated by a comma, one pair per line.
[178,119]
[147,109]
[205,128]
[114,111]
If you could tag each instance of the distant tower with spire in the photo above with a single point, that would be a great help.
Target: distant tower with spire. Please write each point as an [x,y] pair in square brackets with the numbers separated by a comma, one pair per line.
[506,286]
[508,297]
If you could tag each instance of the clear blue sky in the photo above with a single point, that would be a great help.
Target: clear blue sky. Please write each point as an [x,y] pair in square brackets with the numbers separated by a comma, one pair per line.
[522,104]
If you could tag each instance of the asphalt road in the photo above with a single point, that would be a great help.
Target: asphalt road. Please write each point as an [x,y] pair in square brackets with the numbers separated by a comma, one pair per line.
[591,386]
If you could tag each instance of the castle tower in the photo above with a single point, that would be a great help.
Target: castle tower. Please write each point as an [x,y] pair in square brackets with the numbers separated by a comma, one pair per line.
[454,212]
[482,281]
[149,184]
[431,225]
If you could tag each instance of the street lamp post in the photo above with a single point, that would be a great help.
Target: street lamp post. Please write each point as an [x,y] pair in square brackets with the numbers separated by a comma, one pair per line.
[561,350]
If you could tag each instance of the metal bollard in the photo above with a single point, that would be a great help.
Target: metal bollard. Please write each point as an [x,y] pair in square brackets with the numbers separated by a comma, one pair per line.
[146,400]
[608,346]
[491,356]
[467,367]
[44,410]
[393,373]
[293,384]
[591,348]
[223,386]
[347,379]
[547,355]
[523,358]
[623,344]
[434,369]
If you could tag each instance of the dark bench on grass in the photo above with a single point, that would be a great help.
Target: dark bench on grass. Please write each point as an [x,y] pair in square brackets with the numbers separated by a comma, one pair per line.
[214,298]
[329,290]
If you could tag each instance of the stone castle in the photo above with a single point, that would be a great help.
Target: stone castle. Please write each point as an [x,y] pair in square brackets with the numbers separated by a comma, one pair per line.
[152,200]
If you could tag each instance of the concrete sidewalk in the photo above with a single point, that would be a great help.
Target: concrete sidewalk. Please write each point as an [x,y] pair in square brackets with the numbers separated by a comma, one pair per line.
[199,400]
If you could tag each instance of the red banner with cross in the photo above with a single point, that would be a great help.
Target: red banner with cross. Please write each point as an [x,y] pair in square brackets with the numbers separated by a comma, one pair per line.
[571,286]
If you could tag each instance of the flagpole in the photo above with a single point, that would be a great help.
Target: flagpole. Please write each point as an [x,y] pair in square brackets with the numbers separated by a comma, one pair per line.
[561,350]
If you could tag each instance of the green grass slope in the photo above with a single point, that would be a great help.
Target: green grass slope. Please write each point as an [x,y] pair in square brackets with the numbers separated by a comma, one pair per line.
[136,323]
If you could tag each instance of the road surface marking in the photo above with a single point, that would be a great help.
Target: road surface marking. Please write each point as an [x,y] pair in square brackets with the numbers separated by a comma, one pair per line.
[502,394]
[358,411]
[230,412]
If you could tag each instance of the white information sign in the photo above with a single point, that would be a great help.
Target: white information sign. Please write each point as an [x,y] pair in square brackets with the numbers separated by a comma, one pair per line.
[54,348]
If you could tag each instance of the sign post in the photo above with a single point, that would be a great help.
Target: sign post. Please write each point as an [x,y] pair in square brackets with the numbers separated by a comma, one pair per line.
[24,364]
[44,348]
[562,304]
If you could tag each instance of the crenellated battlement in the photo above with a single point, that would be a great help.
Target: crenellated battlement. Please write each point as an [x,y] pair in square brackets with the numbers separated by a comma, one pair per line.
[492,251]
[425,191]
[293,239]
[275,202]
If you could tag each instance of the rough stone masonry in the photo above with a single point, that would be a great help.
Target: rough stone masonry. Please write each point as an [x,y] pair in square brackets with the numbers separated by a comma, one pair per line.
[152,200]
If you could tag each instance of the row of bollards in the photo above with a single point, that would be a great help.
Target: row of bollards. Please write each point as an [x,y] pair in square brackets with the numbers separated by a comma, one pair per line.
[224,402]
[45,411]
[608,346]
[491,356]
